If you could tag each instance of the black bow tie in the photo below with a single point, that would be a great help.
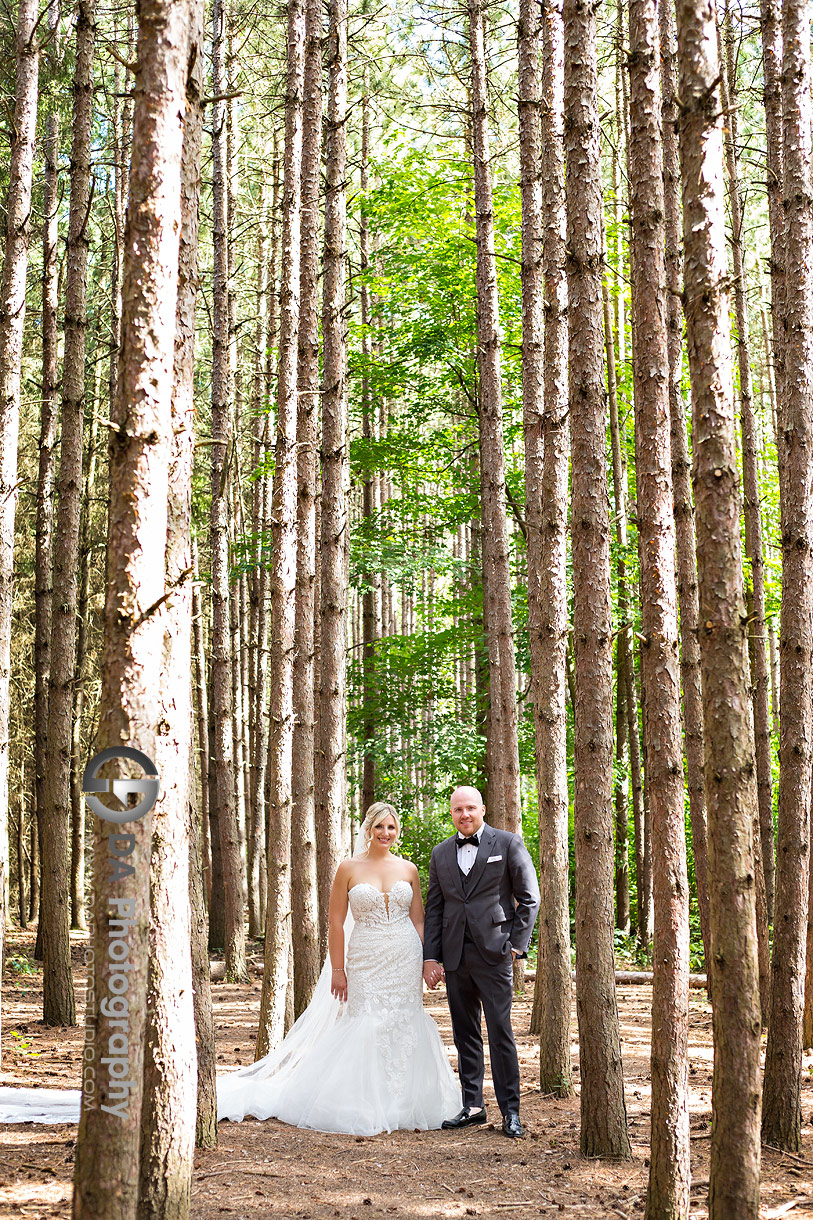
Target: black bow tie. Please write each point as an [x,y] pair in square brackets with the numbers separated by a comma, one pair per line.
[474,840]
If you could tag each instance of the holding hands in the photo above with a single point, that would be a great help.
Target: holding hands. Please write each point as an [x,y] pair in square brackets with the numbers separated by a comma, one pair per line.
[433,972]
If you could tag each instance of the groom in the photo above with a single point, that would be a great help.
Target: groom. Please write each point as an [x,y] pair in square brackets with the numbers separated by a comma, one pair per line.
[480,912]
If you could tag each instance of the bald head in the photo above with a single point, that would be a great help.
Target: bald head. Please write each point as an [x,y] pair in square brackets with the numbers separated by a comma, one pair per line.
[468,810]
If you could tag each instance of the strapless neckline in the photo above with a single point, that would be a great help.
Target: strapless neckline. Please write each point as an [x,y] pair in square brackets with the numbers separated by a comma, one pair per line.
[383,893]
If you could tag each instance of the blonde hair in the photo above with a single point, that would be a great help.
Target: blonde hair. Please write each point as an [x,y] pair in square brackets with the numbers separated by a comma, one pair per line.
[374,816]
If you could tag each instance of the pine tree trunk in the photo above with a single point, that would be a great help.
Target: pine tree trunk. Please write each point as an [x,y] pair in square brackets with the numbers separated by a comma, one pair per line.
[368,489]
[681,477]
[221,707]
[59,1007]
[504,799]
[622,858]
[43,562]
[78,919]
[729,756]
[603,1113]
[669,1173]
[107,1151]
[760,684]
[200,877]
[259,407]
[770,14]
[283,563]
[202,716]
[206,1124]
[304,906]
[331,743]
[626,663]
[169,1108]
[544,393]
[782,1116]
[12,319]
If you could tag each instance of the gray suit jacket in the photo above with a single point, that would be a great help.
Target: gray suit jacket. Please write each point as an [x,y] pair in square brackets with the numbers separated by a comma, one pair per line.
[499,904]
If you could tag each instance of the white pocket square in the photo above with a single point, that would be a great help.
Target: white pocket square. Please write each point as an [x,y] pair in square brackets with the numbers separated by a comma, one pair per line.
[493,859]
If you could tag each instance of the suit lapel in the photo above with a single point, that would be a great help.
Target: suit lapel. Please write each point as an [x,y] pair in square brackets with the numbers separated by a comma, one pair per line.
[483,852]
[451,852]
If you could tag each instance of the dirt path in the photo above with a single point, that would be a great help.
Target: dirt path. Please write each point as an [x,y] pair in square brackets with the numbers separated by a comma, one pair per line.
[270,1170]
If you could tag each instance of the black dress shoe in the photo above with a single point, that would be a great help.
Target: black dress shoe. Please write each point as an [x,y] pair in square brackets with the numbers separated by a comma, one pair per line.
[464,1119]
[512,1127]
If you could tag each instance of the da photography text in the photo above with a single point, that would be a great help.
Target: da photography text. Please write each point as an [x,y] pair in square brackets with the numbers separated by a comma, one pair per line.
[114,1007]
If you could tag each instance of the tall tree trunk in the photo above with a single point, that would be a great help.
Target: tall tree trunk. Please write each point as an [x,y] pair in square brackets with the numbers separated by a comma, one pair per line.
[729,755]
[626,661]
[504,799]
[770,14]
[303,824]
[760,683]
[681,476]
[622,858]
[169,1107]
[221,708]
[368,490]
[782,1116]
[12,320]
[202,714]
[283,564]
[332,745]
[107,1150]
[59,1007]
[78,919]
[669,1172]
[603,1113]
[43,562]
[260,425]
[546,454]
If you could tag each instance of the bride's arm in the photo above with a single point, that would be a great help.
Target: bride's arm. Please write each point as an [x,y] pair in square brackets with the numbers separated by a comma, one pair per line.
[337,913]
[416,909]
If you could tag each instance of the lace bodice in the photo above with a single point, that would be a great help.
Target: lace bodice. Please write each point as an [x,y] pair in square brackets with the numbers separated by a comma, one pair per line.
[371,906]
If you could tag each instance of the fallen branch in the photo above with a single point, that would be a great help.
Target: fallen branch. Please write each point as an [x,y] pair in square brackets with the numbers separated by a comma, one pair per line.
[624,977]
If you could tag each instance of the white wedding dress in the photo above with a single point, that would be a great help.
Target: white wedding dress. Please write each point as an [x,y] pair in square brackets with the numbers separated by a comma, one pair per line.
[375,1063]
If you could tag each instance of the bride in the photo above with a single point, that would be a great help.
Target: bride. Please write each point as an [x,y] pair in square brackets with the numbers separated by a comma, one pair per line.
[364,1057]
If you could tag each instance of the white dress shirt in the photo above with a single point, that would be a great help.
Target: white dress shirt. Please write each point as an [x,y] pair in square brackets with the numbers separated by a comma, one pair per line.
[467,854]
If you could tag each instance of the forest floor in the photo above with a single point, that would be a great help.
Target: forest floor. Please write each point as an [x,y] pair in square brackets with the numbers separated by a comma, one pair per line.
[268,1169]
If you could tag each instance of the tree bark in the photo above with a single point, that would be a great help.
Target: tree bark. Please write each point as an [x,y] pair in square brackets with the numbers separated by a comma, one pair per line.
[729,755]
[544,394]
[169,1107]
[283,565]
[503,779]
[760,683]
[782,1116]
[303,824]
[78,821]
[43,561]
[221,709]
[368,489]
[331,747]
[107,1151]
[669,1172]
[681,476]
[59,1007]
[12,320]
[603,1113]
[770,16]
